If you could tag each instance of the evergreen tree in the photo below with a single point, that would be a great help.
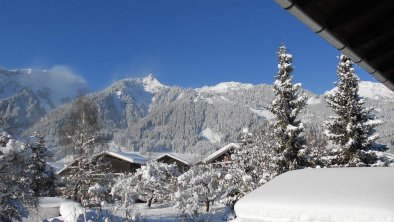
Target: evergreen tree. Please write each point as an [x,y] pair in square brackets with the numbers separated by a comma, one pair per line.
[43,177]
[16,197]
[286,106]
[352,130]
[316,145]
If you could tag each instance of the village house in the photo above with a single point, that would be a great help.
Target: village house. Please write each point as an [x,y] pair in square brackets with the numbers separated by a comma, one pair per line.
[221,156]
[121,162]
[181,160]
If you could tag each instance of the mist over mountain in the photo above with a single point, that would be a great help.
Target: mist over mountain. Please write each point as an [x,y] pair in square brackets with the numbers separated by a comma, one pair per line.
[141,114]
[26,95]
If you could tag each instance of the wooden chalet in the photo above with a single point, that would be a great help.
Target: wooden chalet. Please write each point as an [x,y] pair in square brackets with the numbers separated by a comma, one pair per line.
[121,162]
[183,161]
[221,156]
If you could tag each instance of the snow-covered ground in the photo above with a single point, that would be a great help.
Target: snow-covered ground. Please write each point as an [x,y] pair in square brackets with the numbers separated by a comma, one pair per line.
[165,213]
[137,212]
[52,207]
[329,195]
[265,113]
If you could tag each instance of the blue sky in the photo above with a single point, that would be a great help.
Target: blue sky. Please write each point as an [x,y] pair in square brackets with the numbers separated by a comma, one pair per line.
[189,43]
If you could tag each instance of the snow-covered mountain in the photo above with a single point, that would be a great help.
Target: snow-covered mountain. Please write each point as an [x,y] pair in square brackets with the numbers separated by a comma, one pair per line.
[375,91]
[143,114]
[26,95]
[372,91]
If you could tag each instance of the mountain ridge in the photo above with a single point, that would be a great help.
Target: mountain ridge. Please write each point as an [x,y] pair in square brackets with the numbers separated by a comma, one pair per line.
[142,114]
[176,119]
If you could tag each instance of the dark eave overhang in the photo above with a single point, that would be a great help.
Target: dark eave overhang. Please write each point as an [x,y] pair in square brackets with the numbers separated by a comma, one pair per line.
[360,29]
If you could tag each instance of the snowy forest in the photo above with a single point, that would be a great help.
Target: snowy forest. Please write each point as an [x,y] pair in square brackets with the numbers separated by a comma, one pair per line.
[158,191]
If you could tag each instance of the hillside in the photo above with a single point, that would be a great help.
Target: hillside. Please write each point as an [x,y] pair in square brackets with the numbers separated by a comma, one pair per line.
[143,114]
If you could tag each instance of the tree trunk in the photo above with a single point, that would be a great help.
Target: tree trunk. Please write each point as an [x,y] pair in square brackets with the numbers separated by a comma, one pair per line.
[207,205]
[75,193]
[150,201]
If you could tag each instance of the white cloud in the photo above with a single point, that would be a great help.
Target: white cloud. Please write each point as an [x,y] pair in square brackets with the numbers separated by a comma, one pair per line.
[61,81]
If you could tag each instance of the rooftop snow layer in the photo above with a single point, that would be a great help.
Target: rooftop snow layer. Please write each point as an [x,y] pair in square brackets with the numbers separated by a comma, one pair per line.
[219,152]
[176,157]
[330,195]
[131,157]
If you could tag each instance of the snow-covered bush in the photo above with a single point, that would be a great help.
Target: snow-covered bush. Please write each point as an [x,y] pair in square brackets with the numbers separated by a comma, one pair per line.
[249,166]
[97,195]
[153,182]
[352,130]
[198,188]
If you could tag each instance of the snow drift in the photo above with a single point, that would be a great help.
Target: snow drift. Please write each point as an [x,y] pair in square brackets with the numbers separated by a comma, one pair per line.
[330,195]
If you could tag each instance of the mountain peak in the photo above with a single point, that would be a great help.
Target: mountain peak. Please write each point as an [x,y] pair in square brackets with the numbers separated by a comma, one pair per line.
[152,85]
[225,87]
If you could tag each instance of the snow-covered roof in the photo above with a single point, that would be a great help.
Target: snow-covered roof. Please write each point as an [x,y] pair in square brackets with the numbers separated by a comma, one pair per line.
[131,157]
[332,195]
[62,163]
[188,159]
[219,152]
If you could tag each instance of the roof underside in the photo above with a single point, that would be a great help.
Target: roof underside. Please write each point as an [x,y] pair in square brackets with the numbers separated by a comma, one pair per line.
[360,29]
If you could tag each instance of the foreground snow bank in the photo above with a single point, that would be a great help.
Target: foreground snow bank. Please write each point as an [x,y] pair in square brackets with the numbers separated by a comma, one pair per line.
[70,211]
[51,207]
[330,195]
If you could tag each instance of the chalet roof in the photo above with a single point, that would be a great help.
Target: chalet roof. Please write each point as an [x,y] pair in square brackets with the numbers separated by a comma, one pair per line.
[131,157]
[188,159]
[59,165]
[219,152]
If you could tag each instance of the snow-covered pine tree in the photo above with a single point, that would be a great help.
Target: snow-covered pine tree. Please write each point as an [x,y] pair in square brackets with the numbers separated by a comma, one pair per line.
[15,193]
[316,143]
[286,106]
[43,177]
[352,131]
[153,182]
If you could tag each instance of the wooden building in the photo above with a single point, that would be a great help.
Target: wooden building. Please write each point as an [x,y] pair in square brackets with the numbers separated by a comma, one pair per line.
[221,156]
[182,163]
[121,162]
